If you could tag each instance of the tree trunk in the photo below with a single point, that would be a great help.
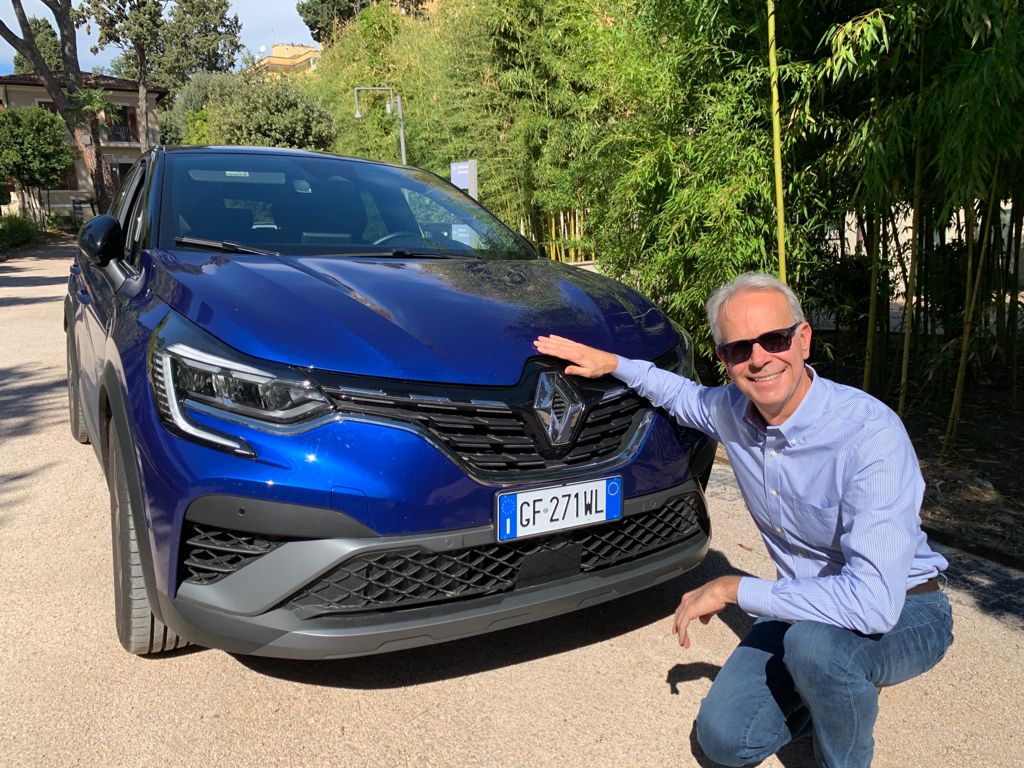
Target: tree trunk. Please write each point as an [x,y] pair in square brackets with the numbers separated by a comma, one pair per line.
[63,98]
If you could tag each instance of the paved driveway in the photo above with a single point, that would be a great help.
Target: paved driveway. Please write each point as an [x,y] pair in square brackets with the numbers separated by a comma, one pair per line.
[606,686]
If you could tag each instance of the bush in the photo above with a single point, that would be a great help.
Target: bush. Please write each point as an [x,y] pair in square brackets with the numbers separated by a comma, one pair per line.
[63,222]
[15,231]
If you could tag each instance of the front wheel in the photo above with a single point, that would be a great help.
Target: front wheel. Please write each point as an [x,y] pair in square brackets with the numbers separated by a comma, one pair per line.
[138,630]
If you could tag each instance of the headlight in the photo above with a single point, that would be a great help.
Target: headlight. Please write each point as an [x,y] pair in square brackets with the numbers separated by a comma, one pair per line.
[202,374]
[680,359]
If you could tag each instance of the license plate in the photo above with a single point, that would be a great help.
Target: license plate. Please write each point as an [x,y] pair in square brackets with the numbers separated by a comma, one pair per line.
[531,513]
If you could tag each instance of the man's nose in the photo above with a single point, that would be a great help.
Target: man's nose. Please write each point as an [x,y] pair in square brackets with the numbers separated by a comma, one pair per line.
[758,356]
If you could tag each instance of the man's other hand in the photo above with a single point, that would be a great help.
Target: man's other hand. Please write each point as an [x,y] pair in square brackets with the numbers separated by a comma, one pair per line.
[703,603]
[586,361]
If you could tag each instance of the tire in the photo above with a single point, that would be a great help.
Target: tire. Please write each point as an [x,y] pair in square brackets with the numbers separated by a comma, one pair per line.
[138,630]
[76,418]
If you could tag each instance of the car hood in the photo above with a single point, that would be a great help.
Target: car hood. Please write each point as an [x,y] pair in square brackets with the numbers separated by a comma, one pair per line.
[443,320]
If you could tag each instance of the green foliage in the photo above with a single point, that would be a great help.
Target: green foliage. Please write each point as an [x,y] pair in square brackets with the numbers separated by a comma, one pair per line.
[192,99]
[636,113]
[47,44]
[270,113]
[195,36]
[199,36]
[134,26]
[32,148]
[649,121]
[197,129]
[16,231]
[321,16]
[63,222]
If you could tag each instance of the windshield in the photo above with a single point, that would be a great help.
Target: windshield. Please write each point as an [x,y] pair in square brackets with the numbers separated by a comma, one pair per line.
[324,205]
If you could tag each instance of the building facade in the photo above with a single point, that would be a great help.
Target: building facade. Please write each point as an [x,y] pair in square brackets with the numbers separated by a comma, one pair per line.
[121,143]
[288,59]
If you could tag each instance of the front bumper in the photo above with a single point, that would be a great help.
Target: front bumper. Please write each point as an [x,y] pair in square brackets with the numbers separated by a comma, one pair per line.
[256,609]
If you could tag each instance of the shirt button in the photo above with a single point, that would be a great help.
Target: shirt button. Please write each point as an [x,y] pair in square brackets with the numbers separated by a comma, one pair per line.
[778,530]
[774,492]
[772,453]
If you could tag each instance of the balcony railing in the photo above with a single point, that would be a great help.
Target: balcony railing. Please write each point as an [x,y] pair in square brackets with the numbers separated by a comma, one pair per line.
[121,133]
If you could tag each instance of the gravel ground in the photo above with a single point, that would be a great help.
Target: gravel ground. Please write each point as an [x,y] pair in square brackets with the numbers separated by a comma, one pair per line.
[604,686]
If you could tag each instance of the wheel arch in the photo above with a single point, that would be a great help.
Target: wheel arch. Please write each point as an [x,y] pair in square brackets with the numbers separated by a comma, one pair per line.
[114,416]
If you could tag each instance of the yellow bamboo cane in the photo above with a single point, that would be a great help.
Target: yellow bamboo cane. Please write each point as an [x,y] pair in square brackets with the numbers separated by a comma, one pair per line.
[773,71]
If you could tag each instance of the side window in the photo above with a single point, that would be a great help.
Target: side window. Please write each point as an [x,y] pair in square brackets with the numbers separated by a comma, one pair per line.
[124,192]
[132,225]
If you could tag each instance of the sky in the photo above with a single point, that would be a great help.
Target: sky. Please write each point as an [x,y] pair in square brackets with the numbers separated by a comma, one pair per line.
[264,22]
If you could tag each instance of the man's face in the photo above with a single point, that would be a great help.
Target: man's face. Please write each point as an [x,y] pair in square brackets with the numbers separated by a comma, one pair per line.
[774,382]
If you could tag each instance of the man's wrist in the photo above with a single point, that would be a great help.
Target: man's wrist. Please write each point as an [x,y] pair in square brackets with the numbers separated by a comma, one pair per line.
[728,588]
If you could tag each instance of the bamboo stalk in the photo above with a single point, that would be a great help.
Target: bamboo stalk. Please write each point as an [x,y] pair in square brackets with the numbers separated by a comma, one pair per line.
[773,73]
[1016,222]
[961,373]
[915,236]
[869,347]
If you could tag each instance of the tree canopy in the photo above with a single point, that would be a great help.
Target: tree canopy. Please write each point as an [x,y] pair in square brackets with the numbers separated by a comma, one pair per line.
[48,45]
[249,110]
[321,16]
[32,148]
[194,36]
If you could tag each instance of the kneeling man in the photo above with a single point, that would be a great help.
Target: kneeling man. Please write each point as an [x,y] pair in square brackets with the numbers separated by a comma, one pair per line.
[833,484]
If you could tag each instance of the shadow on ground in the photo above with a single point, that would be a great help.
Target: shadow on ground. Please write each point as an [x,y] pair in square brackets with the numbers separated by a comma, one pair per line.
[56,247]
[501,649]
[29,400]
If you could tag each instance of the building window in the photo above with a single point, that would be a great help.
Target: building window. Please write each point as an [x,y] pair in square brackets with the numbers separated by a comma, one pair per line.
[122,124]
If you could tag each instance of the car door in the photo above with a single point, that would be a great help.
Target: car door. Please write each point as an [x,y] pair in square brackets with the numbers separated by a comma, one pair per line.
[96,288]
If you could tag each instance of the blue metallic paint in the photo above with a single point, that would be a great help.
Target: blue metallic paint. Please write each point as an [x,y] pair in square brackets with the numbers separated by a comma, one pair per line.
[368,316]
[356,316]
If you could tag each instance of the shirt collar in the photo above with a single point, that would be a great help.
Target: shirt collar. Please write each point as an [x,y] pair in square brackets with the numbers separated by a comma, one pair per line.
[802,420]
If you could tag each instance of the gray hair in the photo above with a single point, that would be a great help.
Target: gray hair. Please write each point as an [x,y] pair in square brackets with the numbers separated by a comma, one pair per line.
[747,282]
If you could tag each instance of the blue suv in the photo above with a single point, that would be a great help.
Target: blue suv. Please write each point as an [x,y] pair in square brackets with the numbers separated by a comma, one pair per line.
[311,383]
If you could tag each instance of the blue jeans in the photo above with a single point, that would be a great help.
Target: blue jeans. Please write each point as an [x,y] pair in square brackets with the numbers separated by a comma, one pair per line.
[785,679]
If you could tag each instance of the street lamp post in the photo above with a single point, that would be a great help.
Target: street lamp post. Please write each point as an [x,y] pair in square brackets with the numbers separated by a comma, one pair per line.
[394,102]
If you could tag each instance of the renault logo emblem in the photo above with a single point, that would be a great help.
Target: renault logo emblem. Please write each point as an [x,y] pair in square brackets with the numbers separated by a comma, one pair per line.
[558,407]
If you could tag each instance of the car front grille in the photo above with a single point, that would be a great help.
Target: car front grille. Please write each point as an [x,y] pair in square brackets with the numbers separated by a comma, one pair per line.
[405,578]
[210,554]
[492,437]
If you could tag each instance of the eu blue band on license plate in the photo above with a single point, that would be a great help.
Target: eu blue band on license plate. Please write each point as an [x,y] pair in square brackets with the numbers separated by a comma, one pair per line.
[543,510]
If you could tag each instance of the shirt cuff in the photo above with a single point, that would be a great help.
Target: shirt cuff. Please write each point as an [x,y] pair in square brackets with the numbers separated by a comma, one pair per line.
[755,596]
[628,371]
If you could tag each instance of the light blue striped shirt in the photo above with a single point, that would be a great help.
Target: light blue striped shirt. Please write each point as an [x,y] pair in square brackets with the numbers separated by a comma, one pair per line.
[835,491]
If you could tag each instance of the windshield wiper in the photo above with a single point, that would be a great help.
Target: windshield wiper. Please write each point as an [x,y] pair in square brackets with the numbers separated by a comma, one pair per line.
[222,245]
[404,253]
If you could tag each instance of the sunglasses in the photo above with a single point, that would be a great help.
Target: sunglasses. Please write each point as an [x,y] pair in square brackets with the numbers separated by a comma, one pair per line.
[735,352]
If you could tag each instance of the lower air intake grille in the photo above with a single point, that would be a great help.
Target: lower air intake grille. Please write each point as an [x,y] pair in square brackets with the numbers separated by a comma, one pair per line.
[411,577]
[210,554]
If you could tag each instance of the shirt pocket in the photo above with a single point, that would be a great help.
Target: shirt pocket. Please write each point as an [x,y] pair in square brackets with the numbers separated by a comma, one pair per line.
[817,526]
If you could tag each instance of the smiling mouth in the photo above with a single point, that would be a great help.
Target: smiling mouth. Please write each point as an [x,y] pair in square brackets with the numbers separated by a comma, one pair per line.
[763,379]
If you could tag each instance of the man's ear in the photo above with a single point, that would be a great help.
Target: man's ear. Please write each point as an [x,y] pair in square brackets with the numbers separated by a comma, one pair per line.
[805,338]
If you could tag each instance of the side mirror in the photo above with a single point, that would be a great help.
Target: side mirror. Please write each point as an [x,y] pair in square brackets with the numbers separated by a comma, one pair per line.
[100,240]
